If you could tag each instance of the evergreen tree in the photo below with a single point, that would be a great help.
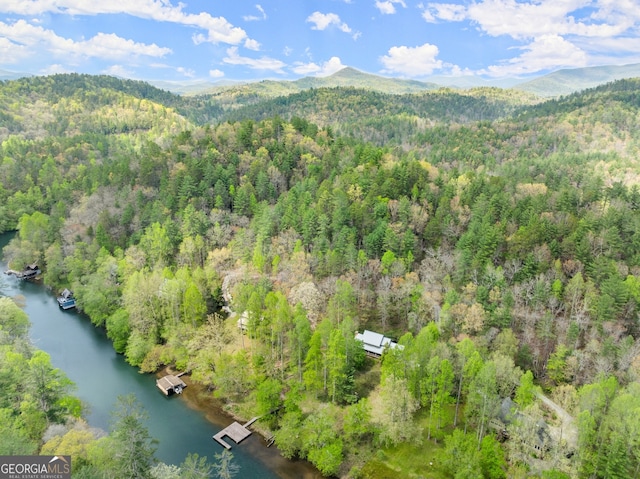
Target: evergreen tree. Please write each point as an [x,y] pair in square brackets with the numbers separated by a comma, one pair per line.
[224,467]
[133,448]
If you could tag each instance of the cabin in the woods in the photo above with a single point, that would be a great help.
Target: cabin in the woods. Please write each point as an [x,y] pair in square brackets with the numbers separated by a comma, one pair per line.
[374,343]
[66,300]
[537,438]
[170,384]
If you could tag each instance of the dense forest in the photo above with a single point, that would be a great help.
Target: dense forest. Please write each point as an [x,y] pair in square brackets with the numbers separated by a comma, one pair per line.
[495,237]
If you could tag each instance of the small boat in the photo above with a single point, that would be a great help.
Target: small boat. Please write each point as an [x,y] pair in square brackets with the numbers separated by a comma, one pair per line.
[66,300]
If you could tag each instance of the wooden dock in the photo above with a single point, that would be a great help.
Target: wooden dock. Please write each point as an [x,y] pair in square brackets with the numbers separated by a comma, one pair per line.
[235,431]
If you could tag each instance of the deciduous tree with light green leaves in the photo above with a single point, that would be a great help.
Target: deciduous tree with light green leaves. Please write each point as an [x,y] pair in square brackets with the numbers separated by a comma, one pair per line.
[399,406]
[14,322]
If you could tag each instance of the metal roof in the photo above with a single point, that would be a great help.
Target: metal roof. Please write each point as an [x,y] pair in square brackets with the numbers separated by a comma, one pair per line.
[372,338]
[375,343]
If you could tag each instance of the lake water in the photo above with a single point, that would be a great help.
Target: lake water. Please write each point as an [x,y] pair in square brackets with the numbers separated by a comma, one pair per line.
[87,357]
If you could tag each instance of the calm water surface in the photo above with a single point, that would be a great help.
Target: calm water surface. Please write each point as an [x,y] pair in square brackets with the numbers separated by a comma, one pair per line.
[87,357]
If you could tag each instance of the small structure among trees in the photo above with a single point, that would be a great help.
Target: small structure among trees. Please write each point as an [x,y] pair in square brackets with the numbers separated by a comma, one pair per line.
[374,343]
[30,272]
[170,384]
[532,433]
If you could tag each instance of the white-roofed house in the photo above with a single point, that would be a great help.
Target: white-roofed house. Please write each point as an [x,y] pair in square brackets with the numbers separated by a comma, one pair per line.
[375,343]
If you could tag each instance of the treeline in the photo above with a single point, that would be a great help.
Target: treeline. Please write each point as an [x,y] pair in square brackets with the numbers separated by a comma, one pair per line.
[350,111]
[40,415]
[35,395]
[71,104]
[497,253]
[623,91]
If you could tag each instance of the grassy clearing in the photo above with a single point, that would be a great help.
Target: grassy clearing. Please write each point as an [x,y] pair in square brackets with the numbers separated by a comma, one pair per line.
[405,460]
[411,460]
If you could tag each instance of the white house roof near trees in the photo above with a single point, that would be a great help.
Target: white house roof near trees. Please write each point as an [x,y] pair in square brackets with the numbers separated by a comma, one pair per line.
[375,343]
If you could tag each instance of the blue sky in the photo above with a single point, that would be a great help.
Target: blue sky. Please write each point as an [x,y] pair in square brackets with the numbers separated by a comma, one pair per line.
[289,39]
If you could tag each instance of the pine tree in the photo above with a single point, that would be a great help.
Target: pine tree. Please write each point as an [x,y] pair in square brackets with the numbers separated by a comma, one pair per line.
[134,448]
[225,468]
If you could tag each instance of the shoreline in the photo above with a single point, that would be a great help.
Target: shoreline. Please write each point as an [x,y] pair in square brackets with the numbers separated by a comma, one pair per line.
[196,397]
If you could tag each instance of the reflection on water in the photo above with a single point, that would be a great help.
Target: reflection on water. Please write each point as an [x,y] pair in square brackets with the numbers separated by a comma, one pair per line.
[182,425]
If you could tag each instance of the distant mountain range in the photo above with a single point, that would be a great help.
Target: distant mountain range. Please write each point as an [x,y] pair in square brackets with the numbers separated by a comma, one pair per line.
[565,82]
[8,75]
[561,82]
[347,77]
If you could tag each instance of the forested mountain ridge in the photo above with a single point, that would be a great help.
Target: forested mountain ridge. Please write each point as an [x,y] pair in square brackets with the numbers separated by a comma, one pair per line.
[496,252]
[383,117]
[70,104]
[568,81]
[554,84]
[345,78]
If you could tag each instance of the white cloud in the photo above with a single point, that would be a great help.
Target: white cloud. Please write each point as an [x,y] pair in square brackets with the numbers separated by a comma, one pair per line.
[616,46]
[531,19]
[187,72]
[617,11]
[428,16]
[412,61]
[218,29]
[322,21]
[387,7]
[264,63]
[256,18]
[250,44]
[456,71]
[449,12]
[329,67]
[11,52]
[111,46]
[216,73]
[306,68]
[333,65]
[54,69]
[118,71]
[524,20]
[551,33]
[546,52]
[103,45]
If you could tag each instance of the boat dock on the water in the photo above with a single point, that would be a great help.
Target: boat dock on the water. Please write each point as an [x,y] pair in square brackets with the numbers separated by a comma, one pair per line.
[235,431]
[171,384]
[30,272]
[66,300]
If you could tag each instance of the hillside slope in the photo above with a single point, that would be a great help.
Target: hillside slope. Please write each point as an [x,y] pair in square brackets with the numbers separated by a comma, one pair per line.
[67,105]
[565,82]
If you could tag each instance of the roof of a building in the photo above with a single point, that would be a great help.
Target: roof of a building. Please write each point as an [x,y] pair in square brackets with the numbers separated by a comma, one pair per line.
[375,343]
[169,382]
[66,294]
